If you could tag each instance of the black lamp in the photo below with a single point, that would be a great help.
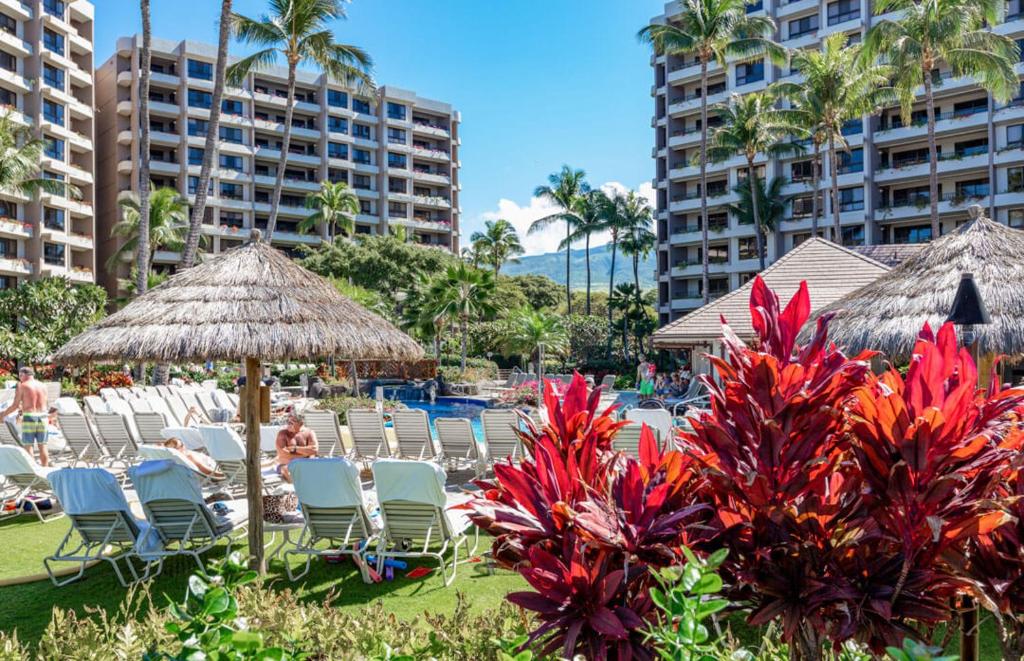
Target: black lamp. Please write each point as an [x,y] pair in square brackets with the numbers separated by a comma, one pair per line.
[968,308]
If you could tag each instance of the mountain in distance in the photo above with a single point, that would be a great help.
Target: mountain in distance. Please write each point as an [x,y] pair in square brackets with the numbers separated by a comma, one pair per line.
[552,265]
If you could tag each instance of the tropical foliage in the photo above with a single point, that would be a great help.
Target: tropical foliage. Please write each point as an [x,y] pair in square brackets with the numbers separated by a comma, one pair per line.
[565,189]
[497,244]
[38,317]
[20,153]
[334,207]
[168,225]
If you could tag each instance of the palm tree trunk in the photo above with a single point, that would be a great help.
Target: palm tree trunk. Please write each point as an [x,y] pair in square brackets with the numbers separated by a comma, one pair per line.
[142,243]
[611,290]
[625,334]
[752,180]
[837,233]
[275,201]
[195,226]
[933,156]
[568,260]
[587,249]
[816,182]
[464,328]
[705,264]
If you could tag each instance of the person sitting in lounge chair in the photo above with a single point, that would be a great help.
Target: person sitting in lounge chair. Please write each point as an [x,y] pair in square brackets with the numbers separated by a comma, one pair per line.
[202,463]
[294,441]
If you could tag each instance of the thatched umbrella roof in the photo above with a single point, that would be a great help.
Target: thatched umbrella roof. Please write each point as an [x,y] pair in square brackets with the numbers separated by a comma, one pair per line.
[887,314]
[252,301]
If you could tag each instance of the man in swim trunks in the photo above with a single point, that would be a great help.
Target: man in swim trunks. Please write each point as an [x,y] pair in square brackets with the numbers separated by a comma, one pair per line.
[30,399]
[294,441]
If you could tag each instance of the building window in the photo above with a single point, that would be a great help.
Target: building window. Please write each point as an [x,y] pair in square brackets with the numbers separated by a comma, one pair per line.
[361,131]
[396,111]
[337,150]
[230,191]
[200,70]
[361,105]
[361,182]
[842,11]
[53,218]
[8,24]
[53,112]
[851,199]
[917,196]
[195,156]
[1015,135]
[803,205]
[801,171]
[971,147]
[1015,218]
[801,26]
[912,234]
[198,127]
[199,99]
[396,136]
[397,208]
[397,185]
[972,189]
[851,161]
[53,77]
[366,207]
[53,253]
[55,148]
[8,63]
[193,184]
[9,249]
[54,8]
[749,72]
[337,124]
[853,127]
[231,107]
[337,99]
[1015,180]
[361,156]
[853,236]
[230,134]
[231,219]
[231,162]
[973,107]
[396,160]
[748,248]
[53,42]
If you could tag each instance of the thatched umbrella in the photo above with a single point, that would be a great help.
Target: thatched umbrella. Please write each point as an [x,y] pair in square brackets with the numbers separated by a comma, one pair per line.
[250,304]
[887,314]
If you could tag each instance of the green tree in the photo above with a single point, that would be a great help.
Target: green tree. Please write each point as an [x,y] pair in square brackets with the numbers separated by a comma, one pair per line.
[39,317]
[589,221]
[129,286]
[299,32]
[771,204]
[638,241]
[497,244]
[20,153]
[565,189]
[752,125]
[534,332]
[473,254]
[540,291]
[712,30]
[461,294]
[839,86]
[335,207]
[168,226]
[622,213]
[927,34]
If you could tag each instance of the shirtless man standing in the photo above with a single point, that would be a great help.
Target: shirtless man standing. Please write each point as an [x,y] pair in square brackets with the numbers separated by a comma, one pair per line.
[30,399]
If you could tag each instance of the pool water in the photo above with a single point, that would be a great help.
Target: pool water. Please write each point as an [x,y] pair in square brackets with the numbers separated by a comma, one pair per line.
[452,407]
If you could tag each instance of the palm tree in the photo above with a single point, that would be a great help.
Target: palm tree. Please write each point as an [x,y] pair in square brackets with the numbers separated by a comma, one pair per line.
[589,220]
[565,189]
[839,86]
[461,294]
[128,286]
[497,244]
[168,226]
[619,214]
[534,332]
[195,228]
[298,31]
[143,253]
[473,254]
[712,30]
[624,300]
[771,204]
[638,242]
[752,125]
[930,33]
[20,153]
[336,207]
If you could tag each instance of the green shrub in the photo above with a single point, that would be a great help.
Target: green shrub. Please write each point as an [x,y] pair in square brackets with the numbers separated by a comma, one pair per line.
[341,405]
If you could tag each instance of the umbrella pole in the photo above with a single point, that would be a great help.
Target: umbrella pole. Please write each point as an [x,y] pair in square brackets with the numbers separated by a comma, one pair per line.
[254,480]
[355,379]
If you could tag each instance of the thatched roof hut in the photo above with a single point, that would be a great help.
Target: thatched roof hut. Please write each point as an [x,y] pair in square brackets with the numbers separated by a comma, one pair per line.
[887,314]
[250,301]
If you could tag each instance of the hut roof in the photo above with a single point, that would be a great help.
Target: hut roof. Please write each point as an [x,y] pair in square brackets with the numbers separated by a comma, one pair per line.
[887,314]
[892,254]
[252,301]
[830,271]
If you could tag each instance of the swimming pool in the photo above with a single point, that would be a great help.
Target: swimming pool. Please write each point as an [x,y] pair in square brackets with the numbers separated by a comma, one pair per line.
[453,407]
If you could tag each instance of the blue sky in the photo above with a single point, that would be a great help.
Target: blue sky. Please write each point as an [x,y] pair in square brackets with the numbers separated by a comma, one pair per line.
[539,83]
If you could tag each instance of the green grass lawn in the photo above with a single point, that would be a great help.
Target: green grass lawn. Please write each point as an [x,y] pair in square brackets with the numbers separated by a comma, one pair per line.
[24,542]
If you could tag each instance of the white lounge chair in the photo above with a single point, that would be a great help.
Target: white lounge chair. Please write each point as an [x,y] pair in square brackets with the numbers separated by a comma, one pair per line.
[335,511]
[608,382]
[458,443]
[149,392]
[627,439]
[367,429]
[178,409]
[108,394]
[112,431]
[659,420]
[150,426]
[102,522]
[67,405]
[139,405]
[226,448]
[173,502]
[80,440]
[164,391]
[412,431]
[22,476]
[188,398]
[8,434]
[500,434]
[415,508]
[124,409]
[94,405]
[124,393]
[328,434]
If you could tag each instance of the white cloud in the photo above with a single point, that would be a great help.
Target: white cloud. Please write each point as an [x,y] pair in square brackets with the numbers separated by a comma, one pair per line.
[547,240]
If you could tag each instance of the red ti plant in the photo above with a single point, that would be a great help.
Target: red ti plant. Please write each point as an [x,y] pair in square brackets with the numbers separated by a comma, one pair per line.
[583,523]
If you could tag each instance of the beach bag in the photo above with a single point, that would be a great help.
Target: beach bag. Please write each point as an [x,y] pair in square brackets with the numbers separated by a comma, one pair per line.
[277,506]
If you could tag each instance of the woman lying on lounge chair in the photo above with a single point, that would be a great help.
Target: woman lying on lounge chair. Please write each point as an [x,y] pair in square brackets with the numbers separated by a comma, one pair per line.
[202,463]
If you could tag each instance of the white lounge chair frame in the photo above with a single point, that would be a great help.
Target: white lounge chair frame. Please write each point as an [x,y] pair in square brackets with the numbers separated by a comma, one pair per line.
[325,425]
[500,436]
[81,442]
[412,432]
[97,533]
[17,486]
[367,429]
[458,444]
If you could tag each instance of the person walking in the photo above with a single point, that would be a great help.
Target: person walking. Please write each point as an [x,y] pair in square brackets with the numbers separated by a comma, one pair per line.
[30,400]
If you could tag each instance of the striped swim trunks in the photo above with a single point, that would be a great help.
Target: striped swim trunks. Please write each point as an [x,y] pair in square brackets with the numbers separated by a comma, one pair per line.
[33,428]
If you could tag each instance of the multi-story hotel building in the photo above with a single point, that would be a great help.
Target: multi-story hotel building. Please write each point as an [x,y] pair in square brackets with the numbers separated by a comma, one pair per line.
[398,151]
[46,83]
[883,178]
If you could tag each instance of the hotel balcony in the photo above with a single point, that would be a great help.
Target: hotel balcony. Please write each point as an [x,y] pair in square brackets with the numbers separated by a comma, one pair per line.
[15,229]
[20,47]
[15,266]
[431,177]
[944,123]
[430,129]
[431,154]
[919,168]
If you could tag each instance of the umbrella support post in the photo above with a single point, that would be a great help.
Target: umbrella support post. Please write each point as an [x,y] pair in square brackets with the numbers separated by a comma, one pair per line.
[254,479]
[355,379]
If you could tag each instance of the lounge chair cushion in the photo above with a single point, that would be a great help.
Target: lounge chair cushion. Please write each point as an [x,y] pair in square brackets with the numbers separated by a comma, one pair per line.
[17,461]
